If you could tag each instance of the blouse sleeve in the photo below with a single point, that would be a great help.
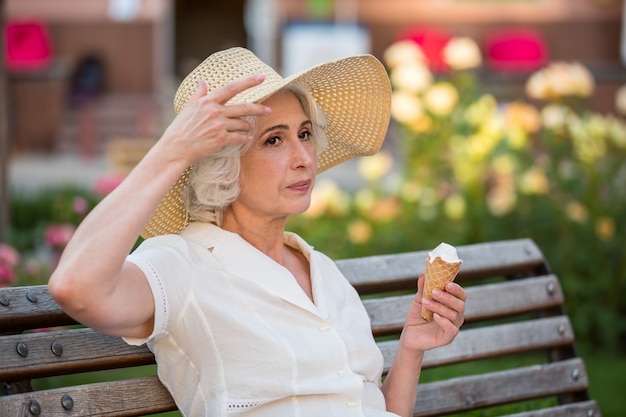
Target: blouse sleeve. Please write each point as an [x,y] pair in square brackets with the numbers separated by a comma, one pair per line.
[166,263]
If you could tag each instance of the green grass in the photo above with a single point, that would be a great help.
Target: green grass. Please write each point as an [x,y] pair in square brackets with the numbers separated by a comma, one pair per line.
[607,380]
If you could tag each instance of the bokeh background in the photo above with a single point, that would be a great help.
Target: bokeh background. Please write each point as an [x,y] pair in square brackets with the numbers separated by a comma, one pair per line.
[508,121]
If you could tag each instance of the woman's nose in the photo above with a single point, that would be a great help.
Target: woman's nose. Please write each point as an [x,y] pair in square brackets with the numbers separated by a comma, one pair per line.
[303,154]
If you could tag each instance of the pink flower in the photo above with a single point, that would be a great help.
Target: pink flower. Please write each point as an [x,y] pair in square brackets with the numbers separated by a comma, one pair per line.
[105,184]
[8,255]
[80,205]
[7,276]
[57,235]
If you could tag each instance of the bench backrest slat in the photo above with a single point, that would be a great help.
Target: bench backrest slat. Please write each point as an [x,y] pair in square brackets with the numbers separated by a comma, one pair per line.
[29,307]
[579,409]
[464,393]
[488,301]
[480,343]
[382,273]
[66,351]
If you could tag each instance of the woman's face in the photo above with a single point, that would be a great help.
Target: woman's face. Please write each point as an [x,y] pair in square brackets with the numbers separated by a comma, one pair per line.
[278,170]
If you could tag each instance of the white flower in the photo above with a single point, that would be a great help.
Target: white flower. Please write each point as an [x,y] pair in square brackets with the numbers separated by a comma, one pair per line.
[560,79]
[441,98]
[462,53]
[414,77]
[554,116]
[406,107]
[403,52]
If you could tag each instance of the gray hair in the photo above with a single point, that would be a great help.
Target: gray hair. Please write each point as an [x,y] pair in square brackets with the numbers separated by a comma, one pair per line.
[214,181]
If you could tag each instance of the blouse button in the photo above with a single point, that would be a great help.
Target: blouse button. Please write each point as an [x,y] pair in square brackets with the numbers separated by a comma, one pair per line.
[325,328]
[352,404]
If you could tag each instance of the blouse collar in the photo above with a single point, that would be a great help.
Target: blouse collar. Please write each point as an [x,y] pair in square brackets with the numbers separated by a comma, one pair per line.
[241,258]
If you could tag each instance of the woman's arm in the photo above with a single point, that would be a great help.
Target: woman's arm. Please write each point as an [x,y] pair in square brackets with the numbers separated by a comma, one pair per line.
[418,336]
[93,283]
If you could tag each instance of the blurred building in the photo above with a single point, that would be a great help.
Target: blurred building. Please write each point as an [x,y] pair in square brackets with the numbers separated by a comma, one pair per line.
[113,65]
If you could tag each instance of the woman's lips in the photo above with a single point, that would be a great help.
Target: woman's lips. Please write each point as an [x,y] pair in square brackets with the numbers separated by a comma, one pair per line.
[301,185]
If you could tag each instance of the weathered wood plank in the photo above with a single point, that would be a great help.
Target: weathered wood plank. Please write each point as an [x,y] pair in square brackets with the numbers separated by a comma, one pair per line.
[581,409]
[485,390]
[126,398]
[399,271]
[499,340]
[66,351]
[487,301]
[29,308]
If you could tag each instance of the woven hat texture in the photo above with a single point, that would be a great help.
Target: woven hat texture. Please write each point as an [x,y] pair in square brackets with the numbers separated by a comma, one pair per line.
[354,93]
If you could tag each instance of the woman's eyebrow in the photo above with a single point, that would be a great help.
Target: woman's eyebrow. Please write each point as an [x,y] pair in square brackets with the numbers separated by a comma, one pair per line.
[284,127]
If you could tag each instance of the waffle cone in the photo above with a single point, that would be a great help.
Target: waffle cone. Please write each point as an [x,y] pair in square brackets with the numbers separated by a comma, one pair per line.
[438,274]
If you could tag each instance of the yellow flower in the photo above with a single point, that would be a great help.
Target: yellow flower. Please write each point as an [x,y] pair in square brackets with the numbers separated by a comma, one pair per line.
[617,131]
[406,107]
[402,52]
[410,191]
[422,124]
[620,100]
[360,232]
[413,77]
[478,147]
[364,200]
[504,164]
[481,110]
[517,138]
[374,167]
[462,53]
[327,197]
[605,228]
[385,210]
[441,98]
[455,206]
[501,201]
[522,116]
[576,212]
[534,181]
[589,143]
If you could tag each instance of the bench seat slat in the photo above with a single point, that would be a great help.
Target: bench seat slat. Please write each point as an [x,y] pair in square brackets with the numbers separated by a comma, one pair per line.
[82,350]
[399,271]
[124,398]
[580,409]
[485,390]
[387,314]
[498,340]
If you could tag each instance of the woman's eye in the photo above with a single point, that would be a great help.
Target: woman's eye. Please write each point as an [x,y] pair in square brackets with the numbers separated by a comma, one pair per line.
[272,141]
[306,135]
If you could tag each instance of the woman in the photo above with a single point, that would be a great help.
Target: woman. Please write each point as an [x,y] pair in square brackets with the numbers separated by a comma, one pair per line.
[243,317]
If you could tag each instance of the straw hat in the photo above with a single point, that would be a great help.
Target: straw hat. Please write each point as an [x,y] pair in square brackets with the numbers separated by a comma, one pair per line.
[354,93]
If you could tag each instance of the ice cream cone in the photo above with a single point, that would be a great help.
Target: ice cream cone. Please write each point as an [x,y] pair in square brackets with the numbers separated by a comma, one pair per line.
[438,273]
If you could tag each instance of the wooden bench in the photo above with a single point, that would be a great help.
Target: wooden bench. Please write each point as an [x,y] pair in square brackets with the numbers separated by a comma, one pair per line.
[517,346]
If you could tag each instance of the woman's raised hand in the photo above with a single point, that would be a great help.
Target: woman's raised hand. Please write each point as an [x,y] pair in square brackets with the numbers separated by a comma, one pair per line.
[207,123]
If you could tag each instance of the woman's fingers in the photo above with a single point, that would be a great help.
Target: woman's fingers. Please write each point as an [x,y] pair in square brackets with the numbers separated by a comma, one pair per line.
[199,93]
[224,94]
[449,304]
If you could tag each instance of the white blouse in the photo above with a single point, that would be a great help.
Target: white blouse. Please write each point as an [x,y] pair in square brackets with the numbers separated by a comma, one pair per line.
[235,335]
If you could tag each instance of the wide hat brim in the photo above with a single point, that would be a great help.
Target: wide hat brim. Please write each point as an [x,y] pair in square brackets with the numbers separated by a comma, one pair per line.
[354,93]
